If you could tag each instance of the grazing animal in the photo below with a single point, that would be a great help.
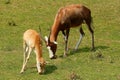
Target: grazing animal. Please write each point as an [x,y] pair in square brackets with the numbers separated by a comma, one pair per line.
[66,18]
[32,40]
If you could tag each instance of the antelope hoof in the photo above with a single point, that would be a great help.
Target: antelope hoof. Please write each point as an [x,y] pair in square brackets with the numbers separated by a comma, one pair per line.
[92,49]
[65,55]
[75,49]
[21,72]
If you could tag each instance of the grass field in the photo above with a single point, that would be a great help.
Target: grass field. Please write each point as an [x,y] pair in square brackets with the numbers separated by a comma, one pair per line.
[16,16]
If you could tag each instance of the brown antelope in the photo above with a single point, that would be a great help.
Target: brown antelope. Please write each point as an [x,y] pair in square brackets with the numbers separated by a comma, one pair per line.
[32,40]
[66,18]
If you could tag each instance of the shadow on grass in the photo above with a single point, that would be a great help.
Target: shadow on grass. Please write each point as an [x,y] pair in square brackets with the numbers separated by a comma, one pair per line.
[49,69]
[86,49]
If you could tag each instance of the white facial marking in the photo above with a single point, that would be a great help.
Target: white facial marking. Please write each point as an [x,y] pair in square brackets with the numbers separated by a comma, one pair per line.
[50,52]
[55,42]
[46,38]
[38,67]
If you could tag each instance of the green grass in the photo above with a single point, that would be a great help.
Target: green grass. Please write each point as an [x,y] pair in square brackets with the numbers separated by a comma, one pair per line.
[103,64]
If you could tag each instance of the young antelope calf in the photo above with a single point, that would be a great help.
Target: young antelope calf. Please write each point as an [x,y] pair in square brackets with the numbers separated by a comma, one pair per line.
[32,40]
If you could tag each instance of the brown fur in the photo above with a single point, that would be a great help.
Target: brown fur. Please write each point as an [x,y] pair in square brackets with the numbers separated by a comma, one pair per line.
[68,17]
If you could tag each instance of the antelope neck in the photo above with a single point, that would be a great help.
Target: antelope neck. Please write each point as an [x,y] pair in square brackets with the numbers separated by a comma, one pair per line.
[54,34]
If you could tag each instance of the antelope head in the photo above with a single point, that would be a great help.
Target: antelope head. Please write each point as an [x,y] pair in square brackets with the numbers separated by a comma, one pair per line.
[51,46]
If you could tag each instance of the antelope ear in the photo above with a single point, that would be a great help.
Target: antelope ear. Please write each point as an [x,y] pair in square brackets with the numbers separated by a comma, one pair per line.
[55,42]
[46,38]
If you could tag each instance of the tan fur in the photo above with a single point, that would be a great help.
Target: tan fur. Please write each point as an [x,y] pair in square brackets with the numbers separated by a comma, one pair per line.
[32,41]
